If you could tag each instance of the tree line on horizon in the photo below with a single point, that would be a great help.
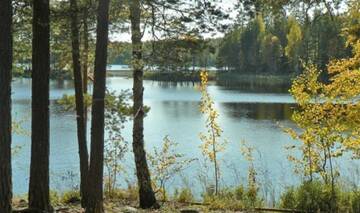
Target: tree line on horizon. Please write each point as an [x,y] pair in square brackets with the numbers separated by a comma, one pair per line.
[278,42]
[273,37]
[268,38]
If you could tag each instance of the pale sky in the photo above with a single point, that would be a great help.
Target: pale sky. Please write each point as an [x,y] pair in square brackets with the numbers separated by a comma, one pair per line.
[227,5]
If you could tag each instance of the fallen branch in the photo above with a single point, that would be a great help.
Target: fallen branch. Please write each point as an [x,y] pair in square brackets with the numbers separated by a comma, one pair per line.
[256,209]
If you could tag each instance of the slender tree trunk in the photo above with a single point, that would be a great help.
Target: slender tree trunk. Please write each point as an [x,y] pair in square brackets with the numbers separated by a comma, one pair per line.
[332,176]
[146,193]
[216,169]
[5,105]
[39,165]
[310,163]
[95,187]
[85,61]
[79,96]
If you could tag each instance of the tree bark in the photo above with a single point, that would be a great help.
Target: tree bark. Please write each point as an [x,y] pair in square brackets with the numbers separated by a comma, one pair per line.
[39,165]
[85,60]
[79,99]
[95,182]
[6,55]
[146,193]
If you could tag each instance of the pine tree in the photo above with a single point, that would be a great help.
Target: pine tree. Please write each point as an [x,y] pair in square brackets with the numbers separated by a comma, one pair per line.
[5,105]
[39,195]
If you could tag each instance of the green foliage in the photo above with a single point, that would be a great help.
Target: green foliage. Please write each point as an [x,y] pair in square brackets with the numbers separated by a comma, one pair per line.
[55,199]
[131,193]
[313,196]
[352,25]
[250,49]
[114,103]
[271,53]
[327,115]
[67,102]
[119,53]
[180,53]
[288,199]
[184,195]
[253,187]
[17,128]
[165,163]
[294,39]
[117,112]
[234,199]
[277,43]
[328,119]
[354,201]
[71,197]
[128,194]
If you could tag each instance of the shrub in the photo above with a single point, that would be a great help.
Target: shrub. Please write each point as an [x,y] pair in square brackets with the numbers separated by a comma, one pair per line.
[71,197]
[130,193]
[233,199]
[314,196]
[355,201]
[54,198]
[288,199]
[185,195]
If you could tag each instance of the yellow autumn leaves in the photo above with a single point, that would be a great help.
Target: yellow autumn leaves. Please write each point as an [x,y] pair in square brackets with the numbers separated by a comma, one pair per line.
[211,145]
[328,115]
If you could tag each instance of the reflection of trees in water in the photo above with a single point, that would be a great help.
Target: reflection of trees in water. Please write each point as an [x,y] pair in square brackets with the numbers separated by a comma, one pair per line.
[181,108]
[264,85]
[170,84]
[23,102]
[260,111]
[62,84]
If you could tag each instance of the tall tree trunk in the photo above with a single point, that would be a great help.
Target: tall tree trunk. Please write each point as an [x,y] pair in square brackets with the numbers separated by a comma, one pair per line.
[95,182]
[79,96]
[39,165]
[146,193]
[85,60]
[5,105]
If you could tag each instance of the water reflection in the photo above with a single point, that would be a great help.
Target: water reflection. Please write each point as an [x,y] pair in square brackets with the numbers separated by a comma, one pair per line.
[177,109]
[174,112]
[258,86]
[62,84]
[169,84]
[263,111]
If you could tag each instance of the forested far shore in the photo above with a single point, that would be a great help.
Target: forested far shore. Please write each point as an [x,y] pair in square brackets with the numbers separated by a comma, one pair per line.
[271,40]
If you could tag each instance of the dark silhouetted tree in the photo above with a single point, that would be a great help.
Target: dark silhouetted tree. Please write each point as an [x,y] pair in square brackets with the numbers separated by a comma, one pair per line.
[79,96]
[40,125]
[95,182]
[6,55]
[146,192]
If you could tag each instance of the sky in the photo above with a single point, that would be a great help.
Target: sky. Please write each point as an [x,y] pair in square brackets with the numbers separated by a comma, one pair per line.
[227,5]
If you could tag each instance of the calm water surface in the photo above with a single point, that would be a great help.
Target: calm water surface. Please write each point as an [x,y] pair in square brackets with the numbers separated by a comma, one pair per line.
[251,116]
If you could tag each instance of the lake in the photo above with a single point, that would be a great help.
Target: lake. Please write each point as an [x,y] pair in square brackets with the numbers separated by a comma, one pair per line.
[245,115]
